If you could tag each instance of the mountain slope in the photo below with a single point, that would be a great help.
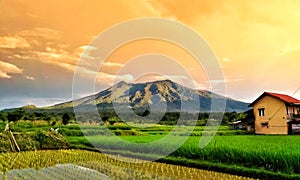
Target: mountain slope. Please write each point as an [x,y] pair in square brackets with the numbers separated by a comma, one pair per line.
[158,95]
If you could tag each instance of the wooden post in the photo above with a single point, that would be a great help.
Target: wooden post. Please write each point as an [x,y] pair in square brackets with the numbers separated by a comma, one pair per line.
[11,145]
[14,140]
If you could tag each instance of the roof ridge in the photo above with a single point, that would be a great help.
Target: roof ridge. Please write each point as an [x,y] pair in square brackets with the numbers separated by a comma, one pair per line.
[283,97]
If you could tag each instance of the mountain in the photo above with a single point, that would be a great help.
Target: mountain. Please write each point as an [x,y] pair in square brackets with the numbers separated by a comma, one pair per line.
[159,96]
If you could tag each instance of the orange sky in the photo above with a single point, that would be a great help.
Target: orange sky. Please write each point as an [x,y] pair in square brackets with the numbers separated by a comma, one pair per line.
[257,43]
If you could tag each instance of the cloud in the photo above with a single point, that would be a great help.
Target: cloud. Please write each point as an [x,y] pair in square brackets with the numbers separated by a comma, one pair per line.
[109,79]
[85,53]
[225,80]
[37,41]
[226,59]
[41,32]
[19,101]
[57,57]
[85,50]
[29,77]
[28,38]
[6,69]
[12,42]
[112,64]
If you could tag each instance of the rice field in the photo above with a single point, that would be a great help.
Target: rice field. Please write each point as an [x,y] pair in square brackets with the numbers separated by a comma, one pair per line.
[279,154]
[58,172]
[64,164]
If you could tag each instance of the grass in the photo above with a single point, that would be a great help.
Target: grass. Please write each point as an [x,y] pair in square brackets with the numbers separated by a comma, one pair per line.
[278,154]
[274,155]
[116,167]
[91,130]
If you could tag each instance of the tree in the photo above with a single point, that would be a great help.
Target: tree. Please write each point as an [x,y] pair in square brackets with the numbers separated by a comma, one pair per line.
[3,116]
[66,118]
[53,123]
[31,116]
[41,137]
[15,115]
[48,119]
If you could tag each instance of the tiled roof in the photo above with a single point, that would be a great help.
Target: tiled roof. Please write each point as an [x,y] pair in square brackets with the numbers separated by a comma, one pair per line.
[286,98]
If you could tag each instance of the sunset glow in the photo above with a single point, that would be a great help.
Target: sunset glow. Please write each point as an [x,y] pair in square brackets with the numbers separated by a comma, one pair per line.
[257,44]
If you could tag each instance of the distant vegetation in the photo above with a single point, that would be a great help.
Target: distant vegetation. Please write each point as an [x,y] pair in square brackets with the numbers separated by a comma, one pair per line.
[53,117]
[32,114]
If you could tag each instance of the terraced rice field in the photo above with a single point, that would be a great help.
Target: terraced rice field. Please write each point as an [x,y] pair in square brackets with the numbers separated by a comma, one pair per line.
[80,164]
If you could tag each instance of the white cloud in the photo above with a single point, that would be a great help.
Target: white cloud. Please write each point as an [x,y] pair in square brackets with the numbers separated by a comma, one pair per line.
[29,77]
[27,38]
[112,64]
[6,69]
[85,51]
[4,75]
[12,42]
[56,56]
[18,56]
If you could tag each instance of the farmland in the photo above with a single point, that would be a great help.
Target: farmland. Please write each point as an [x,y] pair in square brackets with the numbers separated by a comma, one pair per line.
[268,154]
[230,151]
[115,167]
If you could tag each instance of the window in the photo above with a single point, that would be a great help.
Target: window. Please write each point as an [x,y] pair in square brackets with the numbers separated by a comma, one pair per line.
[261,112]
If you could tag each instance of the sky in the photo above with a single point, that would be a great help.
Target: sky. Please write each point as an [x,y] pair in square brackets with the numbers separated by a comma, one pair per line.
[257,45]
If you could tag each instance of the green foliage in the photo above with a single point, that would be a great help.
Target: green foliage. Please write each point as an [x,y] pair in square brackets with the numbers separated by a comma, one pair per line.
[53,123]
[24,140]
[40,137]
[15,115]
[271,153]
[70,132]
[48,119]
[3,116]
[113,120]
[230,117]
[66,118]
[4,142]
[53,116]
[49,140]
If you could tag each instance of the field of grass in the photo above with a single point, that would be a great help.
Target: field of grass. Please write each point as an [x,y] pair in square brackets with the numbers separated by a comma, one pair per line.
[230,150]
[276,154]
[115,167]
[92,130]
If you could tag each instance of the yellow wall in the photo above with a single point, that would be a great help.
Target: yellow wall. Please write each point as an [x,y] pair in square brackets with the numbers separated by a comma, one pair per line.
[275,115]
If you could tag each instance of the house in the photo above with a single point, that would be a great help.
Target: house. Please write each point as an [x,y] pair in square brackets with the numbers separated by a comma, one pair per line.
[276,114]
[246,123]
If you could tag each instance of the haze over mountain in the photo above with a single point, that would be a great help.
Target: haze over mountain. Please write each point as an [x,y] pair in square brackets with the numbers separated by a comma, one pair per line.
[162,95]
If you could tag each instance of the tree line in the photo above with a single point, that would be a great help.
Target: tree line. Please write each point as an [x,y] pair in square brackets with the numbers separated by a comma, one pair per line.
[111,117]
[23,114]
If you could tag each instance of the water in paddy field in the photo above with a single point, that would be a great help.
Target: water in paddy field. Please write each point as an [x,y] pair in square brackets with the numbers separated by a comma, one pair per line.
[76,172]
[57,172]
